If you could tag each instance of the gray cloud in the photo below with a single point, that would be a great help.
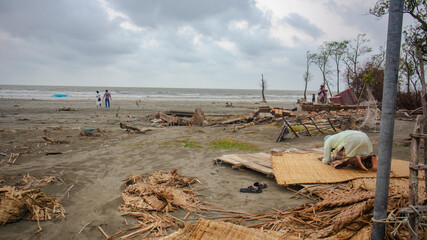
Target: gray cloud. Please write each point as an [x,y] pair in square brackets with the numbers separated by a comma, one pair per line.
[67,30]
[303,24]
[211,19]
[75,43]
[177,12]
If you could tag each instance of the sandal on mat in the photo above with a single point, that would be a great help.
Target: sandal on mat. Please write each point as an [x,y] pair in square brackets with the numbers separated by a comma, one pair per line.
[260,185]
[251,189]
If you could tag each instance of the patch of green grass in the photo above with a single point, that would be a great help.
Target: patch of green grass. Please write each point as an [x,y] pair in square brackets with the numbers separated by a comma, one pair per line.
[138,144]
[232,144]
[188,143]
[298,128]
[165,143]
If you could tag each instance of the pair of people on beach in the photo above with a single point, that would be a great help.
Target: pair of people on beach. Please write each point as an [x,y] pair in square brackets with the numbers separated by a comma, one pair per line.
[107,97]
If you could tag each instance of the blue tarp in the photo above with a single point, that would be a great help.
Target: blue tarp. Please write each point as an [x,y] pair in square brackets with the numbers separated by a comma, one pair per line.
[59,95]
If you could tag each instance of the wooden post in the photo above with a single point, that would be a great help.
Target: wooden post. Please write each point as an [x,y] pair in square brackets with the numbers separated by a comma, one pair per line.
[283,133]
[424,106]
[295,133]
[318,129]
[332,125]
[299,120]
[413,178]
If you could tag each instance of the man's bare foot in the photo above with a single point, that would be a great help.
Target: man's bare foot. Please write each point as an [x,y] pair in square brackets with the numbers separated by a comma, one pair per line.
[357,161]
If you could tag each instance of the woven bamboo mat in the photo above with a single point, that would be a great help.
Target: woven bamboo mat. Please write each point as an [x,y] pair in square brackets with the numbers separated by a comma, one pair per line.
[182,233]
[213,230]
[303,168]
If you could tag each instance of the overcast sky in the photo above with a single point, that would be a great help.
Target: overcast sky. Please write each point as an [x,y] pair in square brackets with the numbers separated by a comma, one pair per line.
[174,43]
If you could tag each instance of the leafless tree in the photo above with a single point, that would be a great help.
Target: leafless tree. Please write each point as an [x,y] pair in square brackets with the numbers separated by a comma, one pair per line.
[310,57]
[337,51]
[322,61]
[356,49]
[263,85]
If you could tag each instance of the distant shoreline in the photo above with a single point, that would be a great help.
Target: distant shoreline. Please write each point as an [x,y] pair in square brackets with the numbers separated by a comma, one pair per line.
[144,94]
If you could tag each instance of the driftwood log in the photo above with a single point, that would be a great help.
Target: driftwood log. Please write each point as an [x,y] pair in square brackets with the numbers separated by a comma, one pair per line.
[198,118]
[173,121]
[54,141]
[132,128]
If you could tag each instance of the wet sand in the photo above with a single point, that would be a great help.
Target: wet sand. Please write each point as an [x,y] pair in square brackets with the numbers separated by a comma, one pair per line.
[97,166]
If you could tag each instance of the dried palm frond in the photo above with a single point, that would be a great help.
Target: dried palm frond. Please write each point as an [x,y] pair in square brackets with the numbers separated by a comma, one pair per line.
[31,204]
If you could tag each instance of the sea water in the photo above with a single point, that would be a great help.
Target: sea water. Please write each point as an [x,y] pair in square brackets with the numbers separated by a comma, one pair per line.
[138,93]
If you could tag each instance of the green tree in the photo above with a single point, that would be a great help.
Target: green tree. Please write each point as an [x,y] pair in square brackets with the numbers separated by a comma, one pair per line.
[415,45]
[415,34]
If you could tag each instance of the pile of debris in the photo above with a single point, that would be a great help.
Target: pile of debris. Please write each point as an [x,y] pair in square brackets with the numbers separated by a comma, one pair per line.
[10,158]
[151,198]
[33,204]
[299,122]
[181,118]
[343,212]
[340,211]
[29,181]
[90,132]
[197,118]
[317,107]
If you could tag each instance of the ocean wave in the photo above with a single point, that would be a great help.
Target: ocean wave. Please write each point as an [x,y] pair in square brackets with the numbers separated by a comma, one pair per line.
[85,93]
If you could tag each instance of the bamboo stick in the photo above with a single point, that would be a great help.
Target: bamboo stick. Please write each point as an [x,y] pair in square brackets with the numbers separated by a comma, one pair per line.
[315,125]
[102,231]
[295,133]
[332,125]
[124,231]
[140,231]
[299,120]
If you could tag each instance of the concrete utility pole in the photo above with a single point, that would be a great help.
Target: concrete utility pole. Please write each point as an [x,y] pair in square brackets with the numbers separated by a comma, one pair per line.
[394,36]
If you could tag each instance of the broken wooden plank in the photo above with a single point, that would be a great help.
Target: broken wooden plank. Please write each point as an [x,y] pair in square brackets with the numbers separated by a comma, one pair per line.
[132,128]
[230,121]
[179,113]
[174,121]
[259,162]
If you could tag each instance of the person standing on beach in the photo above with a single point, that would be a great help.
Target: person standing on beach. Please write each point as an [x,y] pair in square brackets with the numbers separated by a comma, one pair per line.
[321,94]
[98,99]
[107,97]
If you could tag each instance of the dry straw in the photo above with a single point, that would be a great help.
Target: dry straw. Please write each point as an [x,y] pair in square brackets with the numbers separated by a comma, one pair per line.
[342,211]
[31,204]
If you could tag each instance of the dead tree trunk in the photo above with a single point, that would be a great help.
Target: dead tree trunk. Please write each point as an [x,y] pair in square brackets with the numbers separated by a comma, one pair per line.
[263,88]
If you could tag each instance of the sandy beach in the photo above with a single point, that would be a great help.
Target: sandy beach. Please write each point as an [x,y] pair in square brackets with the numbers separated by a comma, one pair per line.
[93,168]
